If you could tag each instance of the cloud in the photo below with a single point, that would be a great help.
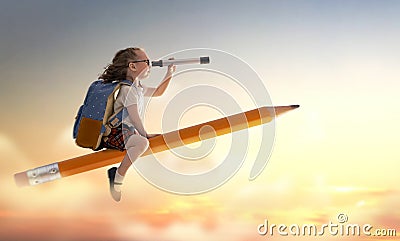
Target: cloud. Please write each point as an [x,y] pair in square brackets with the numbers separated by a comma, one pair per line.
[232,230]
[25,226]
[71,193]
[173,210]
[11,157]
[12,161]
[64,146]
[389,217]
[231,212]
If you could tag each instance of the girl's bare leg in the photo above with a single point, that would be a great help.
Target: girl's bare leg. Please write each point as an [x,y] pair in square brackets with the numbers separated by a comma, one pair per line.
[135,146]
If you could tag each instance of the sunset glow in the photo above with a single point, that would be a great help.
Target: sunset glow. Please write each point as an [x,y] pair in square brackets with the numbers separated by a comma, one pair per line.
[335,155]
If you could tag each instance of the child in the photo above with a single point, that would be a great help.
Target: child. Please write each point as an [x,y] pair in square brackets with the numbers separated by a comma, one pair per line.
[130,64]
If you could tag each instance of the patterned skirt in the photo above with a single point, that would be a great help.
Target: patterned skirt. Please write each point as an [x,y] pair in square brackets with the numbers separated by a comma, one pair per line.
[117,137]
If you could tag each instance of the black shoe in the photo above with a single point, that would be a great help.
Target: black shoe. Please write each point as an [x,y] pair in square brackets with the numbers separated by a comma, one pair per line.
[111,177]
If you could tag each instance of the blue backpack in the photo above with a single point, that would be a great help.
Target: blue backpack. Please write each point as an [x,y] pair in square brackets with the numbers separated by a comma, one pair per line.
[95,117]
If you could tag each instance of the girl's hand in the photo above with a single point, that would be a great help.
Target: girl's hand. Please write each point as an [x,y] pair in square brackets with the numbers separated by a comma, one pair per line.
[171,67]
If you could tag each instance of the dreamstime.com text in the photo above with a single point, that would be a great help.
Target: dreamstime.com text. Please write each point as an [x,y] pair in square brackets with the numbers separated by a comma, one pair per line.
[341,228]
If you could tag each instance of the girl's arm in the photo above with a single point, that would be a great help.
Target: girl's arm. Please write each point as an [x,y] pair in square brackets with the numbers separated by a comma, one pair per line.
[164,84]
[137,122]
[135,119]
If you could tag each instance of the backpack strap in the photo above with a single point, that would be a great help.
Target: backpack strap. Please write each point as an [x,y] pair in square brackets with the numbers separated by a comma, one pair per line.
[108,114]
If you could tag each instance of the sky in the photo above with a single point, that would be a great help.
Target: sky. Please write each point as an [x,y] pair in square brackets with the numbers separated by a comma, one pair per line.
[337,153]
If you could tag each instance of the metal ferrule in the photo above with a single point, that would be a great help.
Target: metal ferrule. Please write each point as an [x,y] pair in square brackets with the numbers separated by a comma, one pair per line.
[43,174]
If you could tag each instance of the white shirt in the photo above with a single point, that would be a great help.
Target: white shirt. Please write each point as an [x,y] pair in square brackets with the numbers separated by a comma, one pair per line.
[130,95]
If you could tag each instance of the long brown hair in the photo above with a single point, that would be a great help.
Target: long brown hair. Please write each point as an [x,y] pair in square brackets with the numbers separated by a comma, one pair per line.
[118,68]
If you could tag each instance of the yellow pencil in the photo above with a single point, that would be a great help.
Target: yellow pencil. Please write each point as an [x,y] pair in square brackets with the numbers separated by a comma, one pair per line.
[159,143]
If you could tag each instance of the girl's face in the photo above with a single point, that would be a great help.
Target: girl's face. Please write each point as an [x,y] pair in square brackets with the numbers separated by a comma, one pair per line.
[139,68]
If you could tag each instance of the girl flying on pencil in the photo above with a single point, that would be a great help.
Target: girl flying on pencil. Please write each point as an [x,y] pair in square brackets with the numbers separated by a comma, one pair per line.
[130,64]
